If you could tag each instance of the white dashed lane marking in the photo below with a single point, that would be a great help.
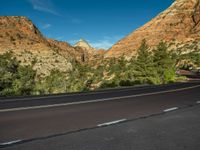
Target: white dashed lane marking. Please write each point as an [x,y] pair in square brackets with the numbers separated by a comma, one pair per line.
[170,109]
[111,123]
[10,142]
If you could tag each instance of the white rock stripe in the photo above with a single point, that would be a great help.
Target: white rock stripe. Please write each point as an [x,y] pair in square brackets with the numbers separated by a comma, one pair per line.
[170,109]
[10,142]
[97,100]
[111,123]
[198,102]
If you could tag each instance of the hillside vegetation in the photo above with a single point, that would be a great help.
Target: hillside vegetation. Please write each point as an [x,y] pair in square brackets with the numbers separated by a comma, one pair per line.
[148,67]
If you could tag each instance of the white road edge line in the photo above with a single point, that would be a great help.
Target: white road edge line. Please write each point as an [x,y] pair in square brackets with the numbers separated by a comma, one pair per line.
[170,109]
[10,142]
[111,123]
[95,101]
[59,96]
[198,102]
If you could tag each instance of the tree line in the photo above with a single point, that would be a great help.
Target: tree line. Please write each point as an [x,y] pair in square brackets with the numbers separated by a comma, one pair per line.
[157,66]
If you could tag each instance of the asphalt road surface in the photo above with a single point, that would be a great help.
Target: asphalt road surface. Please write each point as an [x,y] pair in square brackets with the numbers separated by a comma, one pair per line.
[137,118]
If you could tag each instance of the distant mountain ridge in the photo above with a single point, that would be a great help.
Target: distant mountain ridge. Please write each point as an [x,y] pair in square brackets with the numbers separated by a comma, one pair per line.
[179,25]
[84,44]
[21,37]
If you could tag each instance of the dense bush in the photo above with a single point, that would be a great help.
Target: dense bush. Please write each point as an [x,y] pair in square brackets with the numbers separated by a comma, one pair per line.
[126,83]
[15,79]
[108,84]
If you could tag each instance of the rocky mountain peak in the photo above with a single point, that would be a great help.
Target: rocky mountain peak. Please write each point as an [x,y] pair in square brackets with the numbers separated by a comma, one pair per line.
[83,43]
[178,24]
[21,37]
[19,28]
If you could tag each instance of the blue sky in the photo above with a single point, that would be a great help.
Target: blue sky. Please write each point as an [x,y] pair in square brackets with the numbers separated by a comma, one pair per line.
[100,22]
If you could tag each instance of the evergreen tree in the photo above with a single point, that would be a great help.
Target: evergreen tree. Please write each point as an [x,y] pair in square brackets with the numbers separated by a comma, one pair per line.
[14,78]
[8,71]
[164,63]
[55,82]
[144,70]
[24,83]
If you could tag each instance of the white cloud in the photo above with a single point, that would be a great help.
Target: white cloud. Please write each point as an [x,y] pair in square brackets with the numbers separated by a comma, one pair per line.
[48,7]
[116,37]
[46,26]
[72,42]
[44,6]
[59,38]
[106,43]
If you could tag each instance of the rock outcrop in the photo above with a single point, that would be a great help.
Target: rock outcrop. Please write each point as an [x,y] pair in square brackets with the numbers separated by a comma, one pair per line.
[89,51]
[68,51]
[21,37]
[178,25]
[85,45]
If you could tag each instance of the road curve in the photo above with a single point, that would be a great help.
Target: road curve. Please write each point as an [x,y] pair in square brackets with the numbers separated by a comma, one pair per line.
[177,130]
[76,98]
[41,123]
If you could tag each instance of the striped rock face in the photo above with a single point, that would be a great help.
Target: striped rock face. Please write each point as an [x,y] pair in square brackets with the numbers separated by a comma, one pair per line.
[20,36]
[86,46]
[178,25]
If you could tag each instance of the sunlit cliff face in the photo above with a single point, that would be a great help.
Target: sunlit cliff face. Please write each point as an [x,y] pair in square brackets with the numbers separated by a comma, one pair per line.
[179,24]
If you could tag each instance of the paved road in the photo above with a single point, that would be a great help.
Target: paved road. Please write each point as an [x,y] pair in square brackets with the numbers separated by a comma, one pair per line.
[6,103]
[177,130]
[21,124]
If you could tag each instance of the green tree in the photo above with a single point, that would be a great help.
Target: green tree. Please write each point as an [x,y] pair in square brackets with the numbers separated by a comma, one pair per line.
[55,82]
[14,78]
[24,82]
[144,70]
[8,71]
[164,63]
